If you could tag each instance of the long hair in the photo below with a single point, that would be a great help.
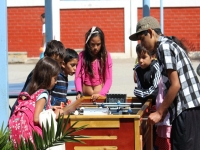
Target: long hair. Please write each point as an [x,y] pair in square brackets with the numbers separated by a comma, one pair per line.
[178,42]
[174,39]
[43,72]
[101,56]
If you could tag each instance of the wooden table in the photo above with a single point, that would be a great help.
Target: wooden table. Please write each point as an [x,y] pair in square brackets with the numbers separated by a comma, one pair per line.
[114,132]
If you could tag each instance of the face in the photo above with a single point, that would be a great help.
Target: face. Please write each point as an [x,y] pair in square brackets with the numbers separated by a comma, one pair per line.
[53,82]
[95,45]
[43,20]
[148,40]
[58,59]
[69,68]
[144,60]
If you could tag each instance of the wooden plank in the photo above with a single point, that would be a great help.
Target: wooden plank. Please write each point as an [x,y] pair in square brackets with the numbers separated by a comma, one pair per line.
[144,107]
[103,123]
[137,134]
[149,143]
[95,148]
[99,138]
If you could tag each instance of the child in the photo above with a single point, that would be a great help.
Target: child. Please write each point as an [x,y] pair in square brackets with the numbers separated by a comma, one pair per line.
[44,77]
[94,71]
[147,74]
[148,79]
[43,45]
[25,120]
[55,50]
[68,67]
[181,85]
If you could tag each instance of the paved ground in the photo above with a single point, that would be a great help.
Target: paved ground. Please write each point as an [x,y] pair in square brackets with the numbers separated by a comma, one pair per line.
[122,75]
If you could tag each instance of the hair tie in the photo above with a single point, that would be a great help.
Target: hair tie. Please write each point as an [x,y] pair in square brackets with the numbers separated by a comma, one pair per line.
[91,32]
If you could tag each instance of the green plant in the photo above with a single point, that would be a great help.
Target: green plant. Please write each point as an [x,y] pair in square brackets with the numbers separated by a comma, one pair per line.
[5,144]
[64,133]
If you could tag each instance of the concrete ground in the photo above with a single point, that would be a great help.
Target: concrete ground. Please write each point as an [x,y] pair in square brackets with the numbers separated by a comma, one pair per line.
[122,75]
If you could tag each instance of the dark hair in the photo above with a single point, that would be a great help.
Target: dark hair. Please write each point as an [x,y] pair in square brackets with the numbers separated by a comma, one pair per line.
[55,47]
[145,32]
[142,50]
[44,70]
[102,55]
[178,42]
[70,54]
[43,15]
[174,39]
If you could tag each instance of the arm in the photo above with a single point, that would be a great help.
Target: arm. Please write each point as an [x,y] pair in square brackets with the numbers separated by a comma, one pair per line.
[78,74]
[108,80]
[59,92]
[169,97]
[39,106]
[134,76]
[169,63]
[140,92]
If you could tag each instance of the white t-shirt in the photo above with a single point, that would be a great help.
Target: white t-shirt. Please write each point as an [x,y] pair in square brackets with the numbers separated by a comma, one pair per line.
[43,32]
[43,28]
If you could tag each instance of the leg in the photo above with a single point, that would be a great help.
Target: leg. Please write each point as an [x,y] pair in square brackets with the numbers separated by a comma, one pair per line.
[185,130]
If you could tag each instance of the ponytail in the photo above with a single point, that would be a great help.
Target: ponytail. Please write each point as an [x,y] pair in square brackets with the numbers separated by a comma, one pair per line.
[174,39]
[178,42]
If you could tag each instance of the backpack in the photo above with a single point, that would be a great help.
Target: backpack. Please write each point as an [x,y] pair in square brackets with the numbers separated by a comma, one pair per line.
[21,122]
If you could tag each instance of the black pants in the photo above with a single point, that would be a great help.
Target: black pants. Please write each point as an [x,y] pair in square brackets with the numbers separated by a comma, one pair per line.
[185,134]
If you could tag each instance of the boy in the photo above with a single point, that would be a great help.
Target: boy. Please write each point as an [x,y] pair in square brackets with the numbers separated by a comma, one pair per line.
[147,74]
[54,49]
[68,67]
[181,85]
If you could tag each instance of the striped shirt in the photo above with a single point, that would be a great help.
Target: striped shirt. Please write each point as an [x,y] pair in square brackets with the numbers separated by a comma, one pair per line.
[59,92]
[171,56]
[147,81]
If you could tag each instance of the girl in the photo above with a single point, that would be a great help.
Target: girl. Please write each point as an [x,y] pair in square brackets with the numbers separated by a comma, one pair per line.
[44,77]
[25,117]
[68,67]
[94,71]
[181,85]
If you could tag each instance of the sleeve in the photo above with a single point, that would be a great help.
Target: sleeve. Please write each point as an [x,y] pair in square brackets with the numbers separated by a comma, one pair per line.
[108,80]
[143,93]
[43,95]
[59,92]
[79,74]
[168,55]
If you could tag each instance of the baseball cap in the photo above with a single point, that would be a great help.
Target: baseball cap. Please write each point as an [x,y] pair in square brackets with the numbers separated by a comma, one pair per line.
[144,24]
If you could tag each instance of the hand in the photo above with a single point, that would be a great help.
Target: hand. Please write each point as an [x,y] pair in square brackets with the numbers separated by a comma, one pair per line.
[55,107]
[58,111]
[94,97]
[154,118]
[78,96]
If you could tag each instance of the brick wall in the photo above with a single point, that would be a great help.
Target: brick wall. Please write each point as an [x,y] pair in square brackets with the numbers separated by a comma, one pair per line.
[25,27]
[25,30]
[183,23]
[75,23]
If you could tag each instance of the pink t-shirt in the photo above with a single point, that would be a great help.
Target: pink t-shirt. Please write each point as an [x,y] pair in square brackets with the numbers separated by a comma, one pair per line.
[83,77]
[96,79]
